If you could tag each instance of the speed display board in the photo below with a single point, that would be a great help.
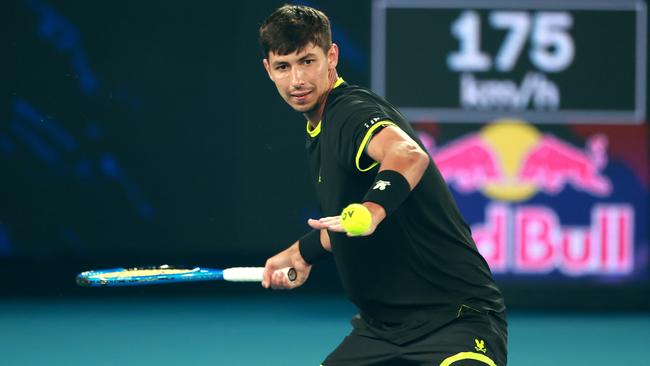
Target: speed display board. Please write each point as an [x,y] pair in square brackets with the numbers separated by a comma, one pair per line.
[542,61]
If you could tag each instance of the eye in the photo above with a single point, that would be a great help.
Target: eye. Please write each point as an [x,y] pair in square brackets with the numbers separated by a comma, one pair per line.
[281,67]
[309,61]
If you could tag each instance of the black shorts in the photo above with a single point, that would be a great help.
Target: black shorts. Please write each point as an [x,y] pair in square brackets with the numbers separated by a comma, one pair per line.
[474,338]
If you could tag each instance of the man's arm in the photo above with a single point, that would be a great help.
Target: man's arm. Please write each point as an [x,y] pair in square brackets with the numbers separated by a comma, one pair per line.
[394,150]
[290,257]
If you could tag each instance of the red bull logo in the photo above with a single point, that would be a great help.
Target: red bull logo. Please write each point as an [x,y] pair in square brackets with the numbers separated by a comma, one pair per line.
[510,162]
[468,164]
[553,164]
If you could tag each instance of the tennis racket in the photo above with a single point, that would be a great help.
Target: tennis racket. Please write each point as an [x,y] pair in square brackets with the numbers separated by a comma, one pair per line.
[169,274]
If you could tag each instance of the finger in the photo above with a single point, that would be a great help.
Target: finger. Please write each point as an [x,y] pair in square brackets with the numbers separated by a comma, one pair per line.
[324,222]
[267,275]
[316,224]
[280,281]
[265,278]
[285,281]
[277,280]
[330,219]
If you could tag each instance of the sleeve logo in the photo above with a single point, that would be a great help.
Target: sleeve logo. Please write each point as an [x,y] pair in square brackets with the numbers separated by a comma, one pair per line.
[381,185]
[371,122]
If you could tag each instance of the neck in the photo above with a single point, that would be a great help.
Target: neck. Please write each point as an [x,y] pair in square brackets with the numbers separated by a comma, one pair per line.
[315,115]
[313,118]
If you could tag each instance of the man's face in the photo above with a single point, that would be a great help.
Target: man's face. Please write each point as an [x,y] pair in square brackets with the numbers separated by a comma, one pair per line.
[303,77]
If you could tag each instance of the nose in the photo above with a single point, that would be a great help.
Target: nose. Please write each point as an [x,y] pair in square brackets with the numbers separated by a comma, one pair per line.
[296,78]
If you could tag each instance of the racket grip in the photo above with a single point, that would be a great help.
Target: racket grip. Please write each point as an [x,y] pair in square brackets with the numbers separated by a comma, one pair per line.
[253,274]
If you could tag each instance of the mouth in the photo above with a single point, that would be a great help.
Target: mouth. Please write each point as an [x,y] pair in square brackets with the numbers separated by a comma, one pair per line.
[300,97]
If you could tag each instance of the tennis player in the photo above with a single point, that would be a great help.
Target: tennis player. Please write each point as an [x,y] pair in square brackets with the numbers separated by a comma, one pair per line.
[424,293]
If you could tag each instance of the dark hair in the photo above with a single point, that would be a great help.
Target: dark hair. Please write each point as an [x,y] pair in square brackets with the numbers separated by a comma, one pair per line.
[292,27]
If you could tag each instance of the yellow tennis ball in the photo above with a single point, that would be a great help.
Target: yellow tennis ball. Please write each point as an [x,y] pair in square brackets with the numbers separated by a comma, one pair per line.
[356,219]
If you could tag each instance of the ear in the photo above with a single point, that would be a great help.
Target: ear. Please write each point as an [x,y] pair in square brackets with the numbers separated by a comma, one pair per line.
[267,67]
[333,56]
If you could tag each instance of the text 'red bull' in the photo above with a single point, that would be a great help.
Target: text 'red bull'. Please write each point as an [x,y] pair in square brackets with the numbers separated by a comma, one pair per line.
[540,244]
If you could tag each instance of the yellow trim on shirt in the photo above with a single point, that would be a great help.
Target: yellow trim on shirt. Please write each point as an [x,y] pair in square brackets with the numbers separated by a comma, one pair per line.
[338,82]
[313,132]
[365,141]
[468,356]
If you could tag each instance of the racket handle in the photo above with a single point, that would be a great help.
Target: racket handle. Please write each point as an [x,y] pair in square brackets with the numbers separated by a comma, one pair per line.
[254,274]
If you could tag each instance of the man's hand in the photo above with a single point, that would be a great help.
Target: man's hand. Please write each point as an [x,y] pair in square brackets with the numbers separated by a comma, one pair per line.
[289,257]
[333,223]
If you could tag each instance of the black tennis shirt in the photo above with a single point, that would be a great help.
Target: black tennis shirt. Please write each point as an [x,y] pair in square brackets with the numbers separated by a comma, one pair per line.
[421,265]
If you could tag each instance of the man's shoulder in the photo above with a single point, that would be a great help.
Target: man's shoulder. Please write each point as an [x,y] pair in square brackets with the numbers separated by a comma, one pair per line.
[347,98]
[347,91]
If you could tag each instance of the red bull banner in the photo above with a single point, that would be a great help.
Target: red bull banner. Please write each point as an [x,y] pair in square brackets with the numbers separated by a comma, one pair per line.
[568,201]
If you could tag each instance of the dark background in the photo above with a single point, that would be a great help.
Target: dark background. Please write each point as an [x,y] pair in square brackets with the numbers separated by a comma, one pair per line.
[136,133]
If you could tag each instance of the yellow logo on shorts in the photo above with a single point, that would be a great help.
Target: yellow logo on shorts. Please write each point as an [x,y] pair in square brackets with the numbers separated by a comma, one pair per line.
[480,345]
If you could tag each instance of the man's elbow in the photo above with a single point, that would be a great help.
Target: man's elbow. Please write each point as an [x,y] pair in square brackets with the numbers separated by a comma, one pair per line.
[421,159]
[416,157]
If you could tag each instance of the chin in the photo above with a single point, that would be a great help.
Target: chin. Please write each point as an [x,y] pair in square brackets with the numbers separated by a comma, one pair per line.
[304,108]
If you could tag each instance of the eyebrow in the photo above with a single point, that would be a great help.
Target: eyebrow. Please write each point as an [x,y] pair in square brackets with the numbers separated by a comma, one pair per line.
[309,55]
